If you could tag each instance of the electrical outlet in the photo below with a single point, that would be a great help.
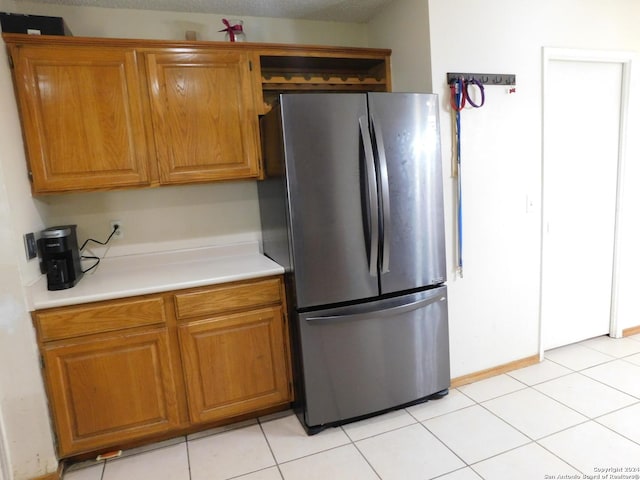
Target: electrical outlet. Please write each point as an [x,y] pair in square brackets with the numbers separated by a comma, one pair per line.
[30,245]
[119,235]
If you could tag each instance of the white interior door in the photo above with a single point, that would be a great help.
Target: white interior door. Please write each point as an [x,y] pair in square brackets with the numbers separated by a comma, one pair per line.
[582,120]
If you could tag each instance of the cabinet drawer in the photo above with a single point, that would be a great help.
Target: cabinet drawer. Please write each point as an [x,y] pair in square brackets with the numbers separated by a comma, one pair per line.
[67,322]
[227,297]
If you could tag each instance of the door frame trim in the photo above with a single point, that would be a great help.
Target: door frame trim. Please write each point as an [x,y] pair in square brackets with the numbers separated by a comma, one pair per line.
[624,58]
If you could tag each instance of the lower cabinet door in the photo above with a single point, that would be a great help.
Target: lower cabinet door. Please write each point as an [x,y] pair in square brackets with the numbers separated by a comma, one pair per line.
[110,389]
[235,364]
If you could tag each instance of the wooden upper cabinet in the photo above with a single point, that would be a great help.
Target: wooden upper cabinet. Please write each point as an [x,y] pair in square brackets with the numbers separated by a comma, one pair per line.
[102,113]
[82,117]
[204,115]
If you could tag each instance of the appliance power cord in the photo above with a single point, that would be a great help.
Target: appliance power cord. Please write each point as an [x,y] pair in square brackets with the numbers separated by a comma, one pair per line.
[92,257]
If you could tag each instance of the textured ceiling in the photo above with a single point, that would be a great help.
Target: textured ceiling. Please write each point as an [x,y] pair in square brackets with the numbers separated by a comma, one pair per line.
[358,11]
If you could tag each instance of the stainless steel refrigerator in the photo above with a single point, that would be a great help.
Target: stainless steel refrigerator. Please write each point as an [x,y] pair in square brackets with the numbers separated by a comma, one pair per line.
[352,207]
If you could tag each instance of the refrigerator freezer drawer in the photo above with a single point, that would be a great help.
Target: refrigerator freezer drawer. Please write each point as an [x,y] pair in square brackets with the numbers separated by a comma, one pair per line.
[372,357]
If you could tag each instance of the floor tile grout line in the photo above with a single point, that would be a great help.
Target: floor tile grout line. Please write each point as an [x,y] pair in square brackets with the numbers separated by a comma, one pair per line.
[471,465]
[186,443]
[466,395]
[554,378]
[562,403]
[626,359]
[616,411]
[382,433]
[242,475]
[534,440]
[445,413]
[530,442]
[637,397]
[266,439]
[446,446]
[565,429]
[575,410]
[615,431]
[218,430]
[241,425]
[571,370]
[613,360]
[597,364]
[501,395]
[506,422]
[529,438]
[276,462]
[448,413]
[589,418]
[558,456]
[316,453]
[355,445]
[584,344]
[457,470]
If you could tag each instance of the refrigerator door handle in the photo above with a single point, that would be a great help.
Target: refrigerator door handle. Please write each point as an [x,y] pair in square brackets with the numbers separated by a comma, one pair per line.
[372,197]
[384,188]
[377,313]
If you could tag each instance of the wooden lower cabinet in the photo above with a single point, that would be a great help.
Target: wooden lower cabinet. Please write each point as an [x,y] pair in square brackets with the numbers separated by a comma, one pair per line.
[122,372]
[234,364]
[110,389]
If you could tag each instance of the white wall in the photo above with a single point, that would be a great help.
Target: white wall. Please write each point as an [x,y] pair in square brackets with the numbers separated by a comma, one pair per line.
[186,215]
[162,218]
[113,22]
[24,422]
[158,219]
[404,28]
[494,307]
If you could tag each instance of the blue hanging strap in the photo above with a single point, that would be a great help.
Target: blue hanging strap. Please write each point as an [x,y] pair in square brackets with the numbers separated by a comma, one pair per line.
[458,100]
[459,97]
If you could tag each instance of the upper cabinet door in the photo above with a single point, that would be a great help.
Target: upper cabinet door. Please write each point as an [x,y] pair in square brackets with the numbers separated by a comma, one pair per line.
[82,117]
[204,116]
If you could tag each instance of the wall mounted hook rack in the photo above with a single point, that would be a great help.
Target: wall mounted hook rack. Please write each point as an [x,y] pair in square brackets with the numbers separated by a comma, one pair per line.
[484,78]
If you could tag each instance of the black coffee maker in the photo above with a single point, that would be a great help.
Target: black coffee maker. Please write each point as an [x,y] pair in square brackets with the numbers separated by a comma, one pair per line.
[60,257]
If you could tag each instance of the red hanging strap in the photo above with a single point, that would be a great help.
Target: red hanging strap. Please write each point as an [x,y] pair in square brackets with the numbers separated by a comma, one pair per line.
[458,98]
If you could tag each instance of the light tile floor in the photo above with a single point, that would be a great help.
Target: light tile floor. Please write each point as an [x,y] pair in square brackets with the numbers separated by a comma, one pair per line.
[575,415]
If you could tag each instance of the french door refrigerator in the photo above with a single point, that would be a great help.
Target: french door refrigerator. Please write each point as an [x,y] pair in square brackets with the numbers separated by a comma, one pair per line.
[352,207]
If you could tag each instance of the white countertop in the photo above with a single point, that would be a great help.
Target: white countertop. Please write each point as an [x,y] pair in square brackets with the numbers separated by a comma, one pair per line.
[130,275]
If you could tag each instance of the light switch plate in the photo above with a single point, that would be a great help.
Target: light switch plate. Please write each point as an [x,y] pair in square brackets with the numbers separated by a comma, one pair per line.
[30,245]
